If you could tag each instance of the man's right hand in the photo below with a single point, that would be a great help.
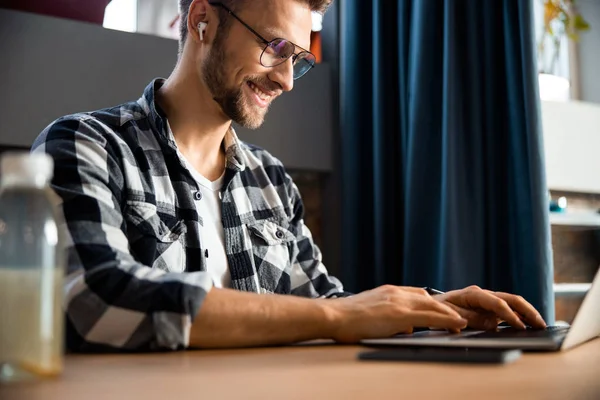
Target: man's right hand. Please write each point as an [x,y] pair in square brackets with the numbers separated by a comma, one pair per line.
[230,318]
[389,310]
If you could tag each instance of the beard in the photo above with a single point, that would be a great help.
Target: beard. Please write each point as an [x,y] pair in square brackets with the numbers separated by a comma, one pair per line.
[233,102]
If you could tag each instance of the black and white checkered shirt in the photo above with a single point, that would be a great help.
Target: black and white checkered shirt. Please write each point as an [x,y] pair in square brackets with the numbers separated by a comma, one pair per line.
[136,274]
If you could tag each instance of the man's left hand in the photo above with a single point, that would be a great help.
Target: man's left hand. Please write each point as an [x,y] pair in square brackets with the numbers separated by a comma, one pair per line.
[484,309]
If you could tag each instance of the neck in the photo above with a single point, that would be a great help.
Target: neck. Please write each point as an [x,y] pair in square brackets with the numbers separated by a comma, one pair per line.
[197,121]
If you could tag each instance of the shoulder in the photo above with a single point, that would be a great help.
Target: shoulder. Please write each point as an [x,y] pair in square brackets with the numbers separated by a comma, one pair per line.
[259,160]
[101,126]
[260,156]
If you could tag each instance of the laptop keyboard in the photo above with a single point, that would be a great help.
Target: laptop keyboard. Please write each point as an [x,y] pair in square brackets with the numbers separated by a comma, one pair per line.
[513,333]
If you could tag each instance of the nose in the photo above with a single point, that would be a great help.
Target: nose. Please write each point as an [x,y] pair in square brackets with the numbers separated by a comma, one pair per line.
[283,74]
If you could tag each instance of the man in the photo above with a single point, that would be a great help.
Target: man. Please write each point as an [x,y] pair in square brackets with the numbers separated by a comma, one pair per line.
[183,236]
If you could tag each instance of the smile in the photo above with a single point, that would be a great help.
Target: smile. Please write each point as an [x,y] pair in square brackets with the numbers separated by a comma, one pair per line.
[261,98]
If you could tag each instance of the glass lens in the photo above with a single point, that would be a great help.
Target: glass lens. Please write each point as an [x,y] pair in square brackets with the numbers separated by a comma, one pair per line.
[277,52]
[303,63]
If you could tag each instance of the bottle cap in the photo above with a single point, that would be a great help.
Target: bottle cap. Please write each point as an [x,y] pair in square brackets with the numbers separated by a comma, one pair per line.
[25,168]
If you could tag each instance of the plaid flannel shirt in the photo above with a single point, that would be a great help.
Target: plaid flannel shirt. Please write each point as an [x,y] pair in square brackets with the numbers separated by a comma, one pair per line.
[135,263]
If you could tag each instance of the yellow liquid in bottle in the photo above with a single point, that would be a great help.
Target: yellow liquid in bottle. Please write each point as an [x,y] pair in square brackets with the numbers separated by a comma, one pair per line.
[31,323]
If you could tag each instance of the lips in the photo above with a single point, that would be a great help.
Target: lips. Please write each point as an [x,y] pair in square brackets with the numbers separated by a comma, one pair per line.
[260,92]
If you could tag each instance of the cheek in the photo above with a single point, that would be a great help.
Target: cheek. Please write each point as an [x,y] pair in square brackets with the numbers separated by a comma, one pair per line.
[234,71]
[249,63]
[237,68]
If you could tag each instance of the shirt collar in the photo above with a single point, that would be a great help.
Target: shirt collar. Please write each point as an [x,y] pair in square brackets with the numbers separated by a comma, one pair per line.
[234,154]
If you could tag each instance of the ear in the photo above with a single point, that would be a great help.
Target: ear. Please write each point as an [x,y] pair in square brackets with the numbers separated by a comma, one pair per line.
[202,21]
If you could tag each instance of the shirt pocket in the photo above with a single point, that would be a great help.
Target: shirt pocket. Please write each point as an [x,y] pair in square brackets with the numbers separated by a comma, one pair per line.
[272,249]
[154,242]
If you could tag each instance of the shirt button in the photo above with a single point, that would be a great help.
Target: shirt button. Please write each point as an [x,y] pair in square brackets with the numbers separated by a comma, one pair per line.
[279,234]
[198,195]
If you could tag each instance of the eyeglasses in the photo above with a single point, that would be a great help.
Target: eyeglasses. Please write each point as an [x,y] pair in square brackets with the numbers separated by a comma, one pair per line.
[278,51]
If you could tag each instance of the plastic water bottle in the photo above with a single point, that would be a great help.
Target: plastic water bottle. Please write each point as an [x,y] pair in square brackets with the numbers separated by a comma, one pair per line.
[31,270]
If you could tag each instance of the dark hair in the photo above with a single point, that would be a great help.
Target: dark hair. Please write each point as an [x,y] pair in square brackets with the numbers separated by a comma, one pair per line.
[234,5]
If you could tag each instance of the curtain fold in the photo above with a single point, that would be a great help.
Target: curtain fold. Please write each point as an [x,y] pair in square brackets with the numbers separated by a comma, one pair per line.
[442,153]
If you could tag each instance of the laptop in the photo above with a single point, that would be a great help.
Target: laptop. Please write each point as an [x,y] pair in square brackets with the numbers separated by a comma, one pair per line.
[586,326]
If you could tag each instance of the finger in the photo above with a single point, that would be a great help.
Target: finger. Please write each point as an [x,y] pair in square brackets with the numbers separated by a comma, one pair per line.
[483,320]
[528,313]
[430,304]
[432,319]
[486,322]
[416,290]
[490,302]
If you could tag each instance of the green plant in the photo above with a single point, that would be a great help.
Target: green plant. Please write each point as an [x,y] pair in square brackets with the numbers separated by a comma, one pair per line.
[561,19]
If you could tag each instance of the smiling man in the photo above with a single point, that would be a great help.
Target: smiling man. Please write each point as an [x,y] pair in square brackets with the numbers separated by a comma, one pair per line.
[180,235]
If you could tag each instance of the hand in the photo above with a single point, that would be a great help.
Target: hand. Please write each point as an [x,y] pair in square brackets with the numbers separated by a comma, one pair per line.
[389,310]
[484,309]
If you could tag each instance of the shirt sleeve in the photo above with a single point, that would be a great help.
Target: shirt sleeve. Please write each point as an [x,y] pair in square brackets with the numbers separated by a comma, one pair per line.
[315,280]
[112,301]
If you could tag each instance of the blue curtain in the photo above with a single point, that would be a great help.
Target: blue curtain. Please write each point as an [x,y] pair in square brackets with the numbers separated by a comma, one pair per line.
[443,177]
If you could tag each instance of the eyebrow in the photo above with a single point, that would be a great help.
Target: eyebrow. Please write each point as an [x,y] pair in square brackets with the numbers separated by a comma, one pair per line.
[274,33]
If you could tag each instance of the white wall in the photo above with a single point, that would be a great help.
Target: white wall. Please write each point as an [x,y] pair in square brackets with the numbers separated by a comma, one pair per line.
[589,52]
[154,17]
[572,145]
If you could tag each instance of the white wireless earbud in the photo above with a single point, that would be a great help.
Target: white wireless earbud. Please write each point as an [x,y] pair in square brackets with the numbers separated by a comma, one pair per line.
[201,28]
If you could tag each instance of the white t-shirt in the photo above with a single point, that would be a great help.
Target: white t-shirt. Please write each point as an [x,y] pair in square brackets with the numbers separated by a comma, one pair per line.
[212,235]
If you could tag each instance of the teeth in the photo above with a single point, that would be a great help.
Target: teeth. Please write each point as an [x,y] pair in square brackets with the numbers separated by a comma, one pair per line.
[262,95]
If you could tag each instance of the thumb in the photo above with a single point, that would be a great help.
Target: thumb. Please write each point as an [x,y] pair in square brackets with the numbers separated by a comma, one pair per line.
[483,320]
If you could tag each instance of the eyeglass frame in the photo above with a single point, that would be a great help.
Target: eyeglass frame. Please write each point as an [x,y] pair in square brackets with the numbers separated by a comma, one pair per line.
[266,42]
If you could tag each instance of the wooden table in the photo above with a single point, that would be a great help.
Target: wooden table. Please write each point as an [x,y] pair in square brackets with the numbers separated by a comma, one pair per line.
[315,372]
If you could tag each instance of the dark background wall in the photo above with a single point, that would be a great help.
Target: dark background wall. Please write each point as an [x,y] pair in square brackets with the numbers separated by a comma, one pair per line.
[52,67]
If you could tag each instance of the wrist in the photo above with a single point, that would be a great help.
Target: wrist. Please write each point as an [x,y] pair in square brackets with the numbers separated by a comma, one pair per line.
[332,316]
